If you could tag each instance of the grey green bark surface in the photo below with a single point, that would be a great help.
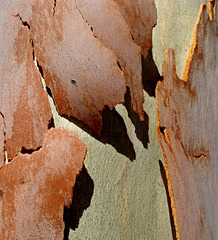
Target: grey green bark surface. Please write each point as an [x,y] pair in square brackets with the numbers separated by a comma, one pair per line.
[175,24]
[129,199]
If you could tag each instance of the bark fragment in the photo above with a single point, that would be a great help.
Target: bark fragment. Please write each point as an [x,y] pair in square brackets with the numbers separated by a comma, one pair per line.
[111,29]
[23,102]
[141,16]
[80,62]
[187,111]
[35,188]
[69,51]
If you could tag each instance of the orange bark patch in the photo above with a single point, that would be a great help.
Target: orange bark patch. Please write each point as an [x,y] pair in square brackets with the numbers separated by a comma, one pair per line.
[23,101]
[34,188]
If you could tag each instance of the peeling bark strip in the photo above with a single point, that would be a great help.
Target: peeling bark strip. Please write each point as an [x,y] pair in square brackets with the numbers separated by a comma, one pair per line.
[141,17]
[67,48]
[35,188]
[23,102]
[187,111]
[111,29]
[69,51]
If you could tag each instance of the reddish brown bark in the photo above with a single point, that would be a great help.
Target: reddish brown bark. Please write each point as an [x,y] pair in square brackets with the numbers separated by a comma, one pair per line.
[75,53]
[24,104]
[141,17]
[82,74]
[34,188]
[2,152]
[111,29]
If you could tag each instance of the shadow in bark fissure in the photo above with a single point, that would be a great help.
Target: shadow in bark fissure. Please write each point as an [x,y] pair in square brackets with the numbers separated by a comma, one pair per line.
[82,195]
[150,74]
[114,132]
[164,178]
[141,127]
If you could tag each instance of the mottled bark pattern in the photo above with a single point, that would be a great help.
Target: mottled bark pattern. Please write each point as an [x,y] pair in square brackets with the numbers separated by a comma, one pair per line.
[87,53]
[141,17]
[24,105]
[109,26]
[187,132]
[32,199]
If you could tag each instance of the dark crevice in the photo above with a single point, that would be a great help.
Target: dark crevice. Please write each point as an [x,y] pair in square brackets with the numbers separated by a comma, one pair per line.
[164,178]
[91,28]
[29,151]
[3,117]
[81,13]
[49,91]
[132,37]
[40,68]
[25,23]
[82,195]
[4,132]
[141,127]
[118,64]
[198,156]
[150,74]
[51,123]
[35,59]
[32,44]
[162,129]
[114,132]
[54,7]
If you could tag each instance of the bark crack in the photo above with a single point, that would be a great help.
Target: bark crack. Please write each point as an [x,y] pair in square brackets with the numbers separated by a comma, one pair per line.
[39,68]
[198,156]
[4,132]
[47,89]
[25,23]
[162,130]
[54,7]
[91,28]
[29,151]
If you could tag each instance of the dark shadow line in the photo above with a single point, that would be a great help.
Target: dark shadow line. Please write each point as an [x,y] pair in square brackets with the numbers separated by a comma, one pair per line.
[141,127]
[51,123]
[150,74]
[114,132]
[82,195]
[164,178]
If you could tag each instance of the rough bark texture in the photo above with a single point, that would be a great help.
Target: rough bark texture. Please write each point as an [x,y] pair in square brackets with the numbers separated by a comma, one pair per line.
[187,123]
[32,199]
[24,104]
[84,74]
[141,16]
[117,37]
